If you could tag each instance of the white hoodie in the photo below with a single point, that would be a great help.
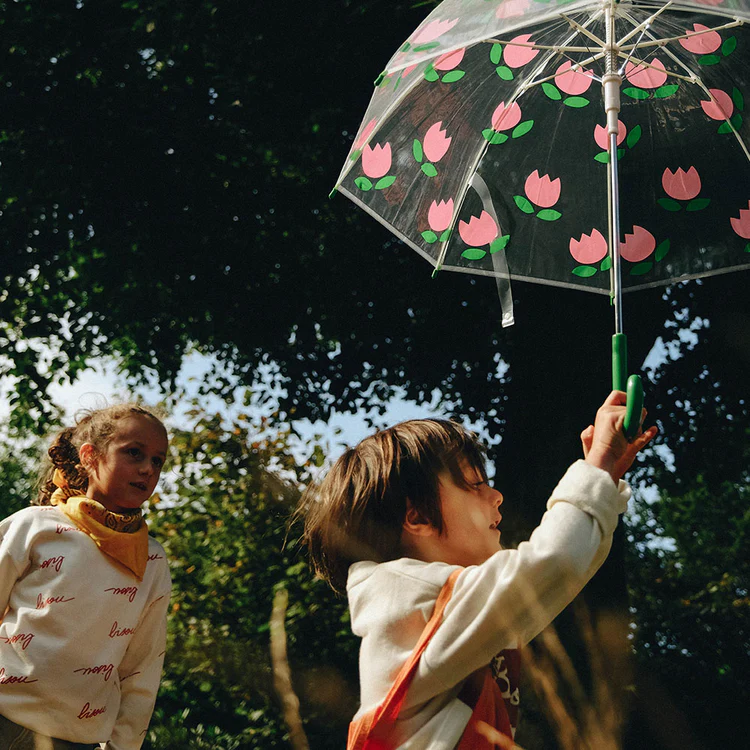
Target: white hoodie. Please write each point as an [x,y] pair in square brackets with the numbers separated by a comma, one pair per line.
[500,604]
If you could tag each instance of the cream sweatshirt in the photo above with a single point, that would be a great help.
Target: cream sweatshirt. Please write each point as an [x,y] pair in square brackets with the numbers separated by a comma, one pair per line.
[500,604]
[82,640]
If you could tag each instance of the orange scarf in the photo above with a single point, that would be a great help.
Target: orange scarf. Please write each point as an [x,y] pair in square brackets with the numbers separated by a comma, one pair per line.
[121,536]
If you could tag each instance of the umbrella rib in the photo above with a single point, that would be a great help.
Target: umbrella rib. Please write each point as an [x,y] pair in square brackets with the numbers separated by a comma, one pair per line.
[640,25]
[693,78]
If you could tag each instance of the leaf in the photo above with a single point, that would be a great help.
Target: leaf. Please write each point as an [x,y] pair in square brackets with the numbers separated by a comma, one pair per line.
[738,99]
[698,204]
[473,253]
[584,271]
[524,204]
[446,235]
[405,47]
[493,136]
[747,248]
[431,74]
[620,152]
[548,214]
[385,182]
[635,93]
[453,76]
[736,120]
[363,183]
[496,53]
[729,46]
[661,250]
[602,157]
[724,128]
[577,102]
[499,244]
[429,237]
[606,264]
[634,136]
[641,268]
[669,204]
[504,72]
[522,128]
[426,46]
[664,91]
[355,155]
[429,169]
[416,149]
[552,91]
[709,59]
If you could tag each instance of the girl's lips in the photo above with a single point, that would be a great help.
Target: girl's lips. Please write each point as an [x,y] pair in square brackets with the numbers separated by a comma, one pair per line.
[139,485]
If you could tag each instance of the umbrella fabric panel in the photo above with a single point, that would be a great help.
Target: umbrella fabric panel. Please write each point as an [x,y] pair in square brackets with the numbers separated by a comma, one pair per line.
[491,159]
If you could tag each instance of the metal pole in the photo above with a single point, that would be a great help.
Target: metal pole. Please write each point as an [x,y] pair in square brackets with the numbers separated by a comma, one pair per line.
[612,81]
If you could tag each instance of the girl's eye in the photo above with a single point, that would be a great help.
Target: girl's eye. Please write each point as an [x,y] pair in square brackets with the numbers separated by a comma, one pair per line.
[158,462]
[134,452]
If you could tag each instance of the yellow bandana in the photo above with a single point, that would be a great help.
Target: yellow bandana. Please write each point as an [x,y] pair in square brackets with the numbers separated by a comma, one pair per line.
[122,536]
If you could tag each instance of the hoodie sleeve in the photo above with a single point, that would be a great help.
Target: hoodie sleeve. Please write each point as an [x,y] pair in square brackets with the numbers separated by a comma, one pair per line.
[515,594]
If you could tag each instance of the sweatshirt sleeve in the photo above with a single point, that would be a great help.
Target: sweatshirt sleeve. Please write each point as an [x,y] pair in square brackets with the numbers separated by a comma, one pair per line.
[11,568]
[140,674]
[515,594]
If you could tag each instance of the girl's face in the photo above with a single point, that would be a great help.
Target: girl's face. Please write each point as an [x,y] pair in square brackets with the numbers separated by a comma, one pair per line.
[124,476]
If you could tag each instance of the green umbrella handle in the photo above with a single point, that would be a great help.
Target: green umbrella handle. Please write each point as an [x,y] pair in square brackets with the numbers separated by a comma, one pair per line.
[633,387]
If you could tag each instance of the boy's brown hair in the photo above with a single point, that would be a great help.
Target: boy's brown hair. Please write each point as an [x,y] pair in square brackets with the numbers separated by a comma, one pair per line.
[357,512]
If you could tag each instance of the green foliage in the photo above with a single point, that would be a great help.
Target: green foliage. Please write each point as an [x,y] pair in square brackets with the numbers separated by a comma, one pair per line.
[224,524]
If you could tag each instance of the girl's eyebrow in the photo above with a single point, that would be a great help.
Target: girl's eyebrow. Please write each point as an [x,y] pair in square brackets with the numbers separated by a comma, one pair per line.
[143,445]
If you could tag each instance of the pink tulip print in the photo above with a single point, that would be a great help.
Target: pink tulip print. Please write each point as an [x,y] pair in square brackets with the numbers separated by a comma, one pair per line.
[573,82]
[515,55]
[720,106]
[376,163]
[701,40]
[682,186]
[449,60]
[543,192]
[440,215]
[439,219]
[590,248]
[649,75]
[638,245]
[432,31]
[364,135]
[505,118]
[436,142]
[512,8]
[480,230]
[435,146]
[741,225]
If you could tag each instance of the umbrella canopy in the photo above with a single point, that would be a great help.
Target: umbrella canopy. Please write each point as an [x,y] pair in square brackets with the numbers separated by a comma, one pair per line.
[485,146]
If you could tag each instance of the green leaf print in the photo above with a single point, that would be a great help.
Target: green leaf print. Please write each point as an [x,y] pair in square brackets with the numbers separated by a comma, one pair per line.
[738,99]
[661,250]
[504,72]
[446,235]
[426,46]
[548,214]
[416,148]
[552,91]
[522,128]
[602,157]
[634,136]
[453,76]
[493,136]
[709,59]
[664,91]
[606,264]
[669,204]
[473,253]
[641,268]
[429,169]
[524,204]
[577,102]
[431,75]
[385,182]
[584,271]
[698,204]
[499,244]
[729,46]
[496,54]
[429,237]
[363,183]
[635,93]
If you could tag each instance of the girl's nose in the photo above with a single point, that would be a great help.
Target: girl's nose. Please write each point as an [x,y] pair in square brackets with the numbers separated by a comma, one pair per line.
[498,499]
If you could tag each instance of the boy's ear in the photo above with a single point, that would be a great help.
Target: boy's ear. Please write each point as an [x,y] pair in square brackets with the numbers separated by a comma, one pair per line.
[416,524]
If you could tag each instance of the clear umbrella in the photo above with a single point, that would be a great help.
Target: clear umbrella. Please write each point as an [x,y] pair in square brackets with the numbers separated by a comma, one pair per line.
[597,145]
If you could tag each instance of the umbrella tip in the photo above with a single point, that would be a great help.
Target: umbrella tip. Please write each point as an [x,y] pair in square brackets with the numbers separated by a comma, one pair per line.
[332,193]
[379,79]
[436,271]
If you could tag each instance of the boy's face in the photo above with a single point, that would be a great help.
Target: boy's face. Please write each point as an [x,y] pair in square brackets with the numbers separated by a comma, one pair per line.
[470,519]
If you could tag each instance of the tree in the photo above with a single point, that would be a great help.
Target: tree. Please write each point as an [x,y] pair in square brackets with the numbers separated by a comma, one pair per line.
[224,525]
